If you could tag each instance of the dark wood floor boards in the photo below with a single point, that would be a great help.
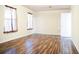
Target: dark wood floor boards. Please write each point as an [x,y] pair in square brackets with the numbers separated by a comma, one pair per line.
[39,44]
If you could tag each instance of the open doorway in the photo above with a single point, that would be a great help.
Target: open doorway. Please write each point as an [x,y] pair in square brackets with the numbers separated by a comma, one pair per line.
[66,35]
[66,25]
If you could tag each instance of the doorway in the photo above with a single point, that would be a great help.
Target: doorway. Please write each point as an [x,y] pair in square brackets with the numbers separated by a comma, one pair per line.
[66,25]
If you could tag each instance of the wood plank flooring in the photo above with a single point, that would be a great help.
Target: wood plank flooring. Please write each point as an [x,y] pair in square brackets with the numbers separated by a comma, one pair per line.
[39,44]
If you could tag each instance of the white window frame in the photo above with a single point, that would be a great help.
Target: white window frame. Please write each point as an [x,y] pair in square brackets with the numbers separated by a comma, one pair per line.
[30,21]
[10,19]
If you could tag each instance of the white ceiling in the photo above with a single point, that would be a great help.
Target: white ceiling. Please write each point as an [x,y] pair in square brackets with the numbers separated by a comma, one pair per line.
[47,7]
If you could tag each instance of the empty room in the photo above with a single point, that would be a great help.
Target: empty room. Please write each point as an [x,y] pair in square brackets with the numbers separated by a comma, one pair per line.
[39,29]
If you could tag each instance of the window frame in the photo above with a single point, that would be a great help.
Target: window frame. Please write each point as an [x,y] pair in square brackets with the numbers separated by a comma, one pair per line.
[12,21]
[32,22]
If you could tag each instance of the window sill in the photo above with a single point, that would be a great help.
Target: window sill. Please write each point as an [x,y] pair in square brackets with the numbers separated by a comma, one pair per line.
[10,31]
[30,29]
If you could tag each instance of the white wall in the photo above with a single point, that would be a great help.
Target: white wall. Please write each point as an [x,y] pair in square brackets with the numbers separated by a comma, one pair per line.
[48,22]
[21,22]
[75,25]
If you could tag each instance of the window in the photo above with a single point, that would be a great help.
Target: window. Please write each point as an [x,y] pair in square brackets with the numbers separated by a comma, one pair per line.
[30,26]
[10,19]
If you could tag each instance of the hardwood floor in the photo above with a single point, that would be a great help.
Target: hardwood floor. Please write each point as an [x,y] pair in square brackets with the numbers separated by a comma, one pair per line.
[39,44]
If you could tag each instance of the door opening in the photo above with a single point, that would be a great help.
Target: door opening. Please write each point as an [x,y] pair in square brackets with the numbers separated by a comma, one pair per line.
[66,25]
